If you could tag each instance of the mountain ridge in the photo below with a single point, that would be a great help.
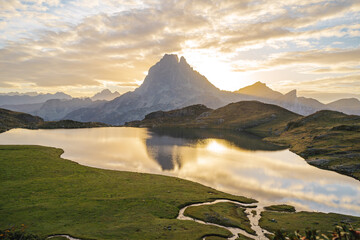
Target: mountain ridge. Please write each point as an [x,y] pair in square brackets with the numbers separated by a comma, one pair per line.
[30,98]
[253,116]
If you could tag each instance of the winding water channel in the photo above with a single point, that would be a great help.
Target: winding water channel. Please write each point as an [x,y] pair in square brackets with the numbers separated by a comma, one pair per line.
[254,219]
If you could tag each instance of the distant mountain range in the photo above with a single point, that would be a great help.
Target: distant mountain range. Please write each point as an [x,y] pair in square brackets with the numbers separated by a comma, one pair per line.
[54,107]
[170,84]
[300,105]
[30,98]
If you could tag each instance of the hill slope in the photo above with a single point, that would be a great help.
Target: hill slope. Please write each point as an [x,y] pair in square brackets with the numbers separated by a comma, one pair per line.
[263,119]
[326,139]
[10,119]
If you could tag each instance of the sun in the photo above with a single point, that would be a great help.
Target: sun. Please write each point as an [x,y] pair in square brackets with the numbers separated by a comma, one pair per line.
[217,70]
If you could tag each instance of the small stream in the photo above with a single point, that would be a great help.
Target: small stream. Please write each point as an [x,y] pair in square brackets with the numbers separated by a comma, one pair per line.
[64,236]
[254,219]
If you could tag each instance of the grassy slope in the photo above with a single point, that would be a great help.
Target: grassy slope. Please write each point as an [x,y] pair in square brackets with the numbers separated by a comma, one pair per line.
[263,119]
[290,222]
[260,118]
[51,195]
[225,214]
[319,139]
[70,124]
[10,119]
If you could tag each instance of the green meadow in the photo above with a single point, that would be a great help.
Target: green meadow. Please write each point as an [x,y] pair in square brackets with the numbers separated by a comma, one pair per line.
[50,195]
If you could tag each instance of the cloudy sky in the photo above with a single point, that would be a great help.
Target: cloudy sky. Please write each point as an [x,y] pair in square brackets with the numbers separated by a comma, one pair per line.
[83,46]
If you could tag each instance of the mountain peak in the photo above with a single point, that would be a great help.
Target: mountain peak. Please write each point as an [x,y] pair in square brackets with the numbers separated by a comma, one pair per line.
[106,91]
[259,89]
[258,83]
[169,58]
[105,94]
[171,75]
[183,60]
[291,94]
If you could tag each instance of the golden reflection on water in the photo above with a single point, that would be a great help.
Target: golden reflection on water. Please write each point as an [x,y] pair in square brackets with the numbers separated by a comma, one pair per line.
[233,166]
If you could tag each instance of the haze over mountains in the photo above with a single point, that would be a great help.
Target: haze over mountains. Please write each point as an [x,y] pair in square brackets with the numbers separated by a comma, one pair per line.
[30,98]
[170,84]
[53,107]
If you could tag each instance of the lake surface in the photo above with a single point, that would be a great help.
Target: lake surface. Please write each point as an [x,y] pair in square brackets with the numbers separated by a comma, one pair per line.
[240,164]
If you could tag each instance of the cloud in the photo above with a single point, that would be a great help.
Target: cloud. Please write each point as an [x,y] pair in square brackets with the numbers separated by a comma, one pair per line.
[318,57]
[7,85]
[86,43]
[340,60]
[337,70]
[338,85]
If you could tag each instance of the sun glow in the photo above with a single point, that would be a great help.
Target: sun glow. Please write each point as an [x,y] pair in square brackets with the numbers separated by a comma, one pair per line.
[217,70]
[215,146]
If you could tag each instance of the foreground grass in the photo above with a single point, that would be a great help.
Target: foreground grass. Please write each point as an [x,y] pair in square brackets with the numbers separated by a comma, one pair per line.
[225,214]
[302,221]
[51,195]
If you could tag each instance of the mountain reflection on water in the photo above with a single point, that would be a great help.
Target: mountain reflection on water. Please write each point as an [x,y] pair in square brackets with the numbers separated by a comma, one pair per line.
[237,163]
[163,142]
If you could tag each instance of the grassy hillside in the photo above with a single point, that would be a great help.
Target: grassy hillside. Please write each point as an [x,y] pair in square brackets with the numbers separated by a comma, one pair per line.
[50,195]
[184,117]
[326,139]
[10,119]
[260,118]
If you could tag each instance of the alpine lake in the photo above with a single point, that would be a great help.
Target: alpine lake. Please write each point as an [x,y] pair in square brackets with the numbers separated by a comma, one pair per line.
[236,163]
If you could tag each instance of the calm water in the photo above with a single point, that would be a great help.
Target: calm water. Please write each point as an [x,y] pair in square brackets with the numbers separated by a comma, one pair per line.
[237,164]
